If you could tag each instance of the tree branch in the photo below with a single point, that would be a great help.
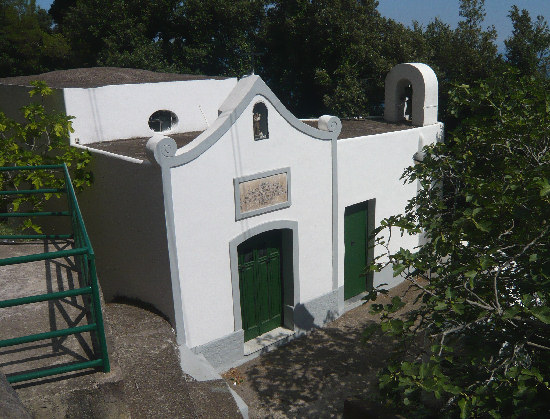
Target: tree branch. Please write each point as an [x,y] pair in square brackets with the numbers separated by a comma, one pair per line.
[453,330]
[483,306]
[536,345]
[495,288]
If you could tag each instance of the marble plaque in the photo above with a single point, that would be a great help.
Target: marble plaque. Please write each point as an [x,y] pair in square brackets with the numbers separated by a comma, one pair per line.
[263,192]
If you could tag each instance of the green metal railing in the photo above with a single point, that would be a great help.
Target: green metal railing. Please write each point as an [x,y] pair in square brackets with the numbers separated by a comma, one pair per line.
[85,261]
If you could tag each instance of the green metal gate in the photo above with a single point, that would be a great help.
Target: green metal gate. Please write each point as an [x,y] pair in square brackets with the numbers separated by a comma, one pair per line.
[260,284]
[85,260]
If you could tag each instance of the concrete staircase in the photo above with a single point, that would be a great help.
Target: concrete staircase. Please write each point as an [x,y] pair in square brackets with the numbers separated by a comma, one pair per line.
[146,378]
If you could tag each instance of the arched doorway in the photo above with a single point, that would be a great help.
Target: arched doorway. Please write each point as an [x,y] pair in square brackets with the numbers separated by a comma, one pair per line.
[261,283]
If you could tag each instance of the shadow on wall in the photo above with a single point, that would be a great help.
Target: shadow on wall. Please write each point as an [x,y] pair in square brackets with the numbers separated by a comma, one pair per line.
[124,216]
[305,321]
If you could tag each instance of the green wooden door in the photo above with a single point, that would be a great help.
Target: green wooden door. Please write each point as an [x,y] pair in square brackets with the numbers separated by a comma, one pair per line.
[355,258]
[260,284]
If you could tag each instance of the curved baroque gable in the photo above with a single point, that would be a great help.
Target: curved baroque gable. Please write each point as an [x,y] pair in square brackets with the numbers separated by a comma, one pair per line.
[163,149]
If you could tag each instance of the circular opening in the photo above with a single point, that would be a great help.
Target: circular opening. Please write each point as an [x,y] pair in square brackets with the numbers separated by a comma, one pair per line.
[163,121]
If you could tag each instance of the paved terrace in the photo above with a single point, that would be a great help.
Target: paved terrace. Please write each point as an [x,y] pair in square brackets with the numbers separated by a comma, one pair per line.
[145,379]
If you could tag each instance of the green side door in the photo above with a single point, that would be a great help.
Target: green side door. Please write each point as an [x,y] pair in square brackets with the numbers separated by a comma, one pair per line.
[260,284]
[357,254]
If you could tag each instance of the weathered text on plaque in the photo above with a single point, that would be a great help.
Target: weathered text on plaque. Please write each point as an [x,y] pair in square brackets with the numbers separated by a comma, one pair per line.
[263,192]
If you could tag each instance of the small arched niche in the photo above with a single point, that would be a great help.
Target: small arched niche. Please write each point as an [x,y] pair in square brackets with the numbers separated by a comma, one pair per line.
[259,121]
[411,94]
[405,89]
[163,120]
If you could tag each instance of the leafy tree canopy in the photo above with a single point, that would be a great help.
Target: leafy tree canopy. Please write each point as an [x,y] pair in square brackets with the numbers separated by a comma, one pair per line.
[27,42]
[318,56]
[217,37]
[479,344]
[209,37]
[528,48]
[462,55]
[115,33]
[323,53]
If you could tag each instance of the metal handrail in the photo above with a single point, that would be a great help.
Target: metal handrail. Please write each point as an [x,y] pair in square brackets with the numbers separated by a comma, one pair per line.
[85,260]
[43,256]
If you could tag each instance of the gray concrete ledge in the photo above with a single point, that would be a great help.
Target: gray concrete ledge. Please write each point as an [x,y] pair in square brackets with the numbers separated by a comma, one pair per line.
[223,352]
[317,312]
[354,302]
[385,276]
[262,342]
[198,367]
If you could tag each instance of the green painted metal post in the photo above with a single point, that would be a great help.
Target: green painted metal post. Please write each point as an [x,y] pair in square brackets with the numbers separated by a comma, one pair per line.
[98,315]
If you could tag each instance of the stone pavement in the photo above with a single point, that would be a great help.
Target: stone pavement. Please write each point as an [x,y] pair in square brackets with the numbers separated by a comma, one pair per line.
[146,380]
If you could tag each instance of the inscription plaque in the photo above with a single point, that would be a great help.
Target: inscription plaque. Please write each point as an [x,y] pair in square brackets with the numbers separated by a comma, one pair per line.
[262,193]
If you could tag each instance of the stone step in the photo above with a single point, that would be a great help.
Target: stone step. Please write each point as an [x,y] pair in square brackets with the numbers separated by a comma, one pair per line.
[10,404]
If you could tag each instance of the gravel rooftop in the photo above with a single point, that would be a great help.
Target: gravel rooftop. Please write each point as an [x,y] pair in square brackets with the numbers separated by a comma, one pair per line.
[135,147]
[101,76]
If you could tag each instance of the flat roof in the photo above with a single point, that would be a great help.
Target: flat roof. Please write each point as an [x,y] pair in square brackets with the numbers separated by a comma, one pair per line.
[135,147]
[351,128]
[101,76]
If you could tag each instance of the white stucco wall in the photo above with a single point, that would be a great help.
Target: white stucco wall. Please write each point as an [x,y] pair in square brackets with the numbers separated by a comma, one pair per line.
[124,214]
[123,111]
[370,167]
[203,201]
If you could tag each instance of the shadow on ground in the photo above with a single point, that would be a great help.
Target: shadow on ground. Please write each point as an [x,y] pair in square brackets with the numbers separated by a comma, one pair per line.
[36,278]
[313,375]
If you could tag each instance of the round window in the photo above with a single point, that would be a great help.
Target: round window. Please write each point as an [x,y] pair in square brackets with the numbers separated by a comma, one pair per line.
[163,121]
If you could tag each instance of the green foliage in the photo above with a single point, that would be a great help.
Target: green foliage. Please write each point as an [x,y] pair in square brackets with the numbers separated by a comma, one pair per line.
[27,43]
[482,334]
[115,33]
[217,37]
[41,138]
[462,55]
[210,37]
[330,56]
[528,48]
[318,56]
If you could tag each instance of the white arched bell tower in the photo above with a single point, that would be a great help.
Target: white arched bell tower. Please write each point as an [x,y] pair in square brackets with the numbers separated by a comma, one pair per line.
[406,80]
